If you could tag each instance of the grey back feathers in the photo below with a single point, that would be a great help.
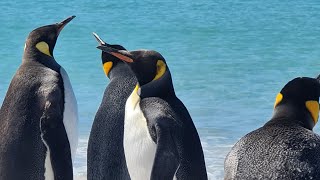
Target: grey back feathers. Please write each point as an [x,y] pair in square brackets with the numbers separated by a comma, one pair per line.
[106,159]
[285,147]
[275,152]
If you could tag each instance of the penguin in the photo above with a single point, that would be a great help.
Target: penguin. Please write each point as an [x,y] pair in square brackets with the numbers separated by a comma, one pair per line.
[160,139]
[285,147]
[38,117]
[105,154]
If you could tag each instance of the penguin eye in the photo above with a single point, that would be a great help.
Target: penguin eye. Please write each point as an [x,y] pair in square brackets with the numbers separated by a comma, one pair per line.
[43,47]
[161,69]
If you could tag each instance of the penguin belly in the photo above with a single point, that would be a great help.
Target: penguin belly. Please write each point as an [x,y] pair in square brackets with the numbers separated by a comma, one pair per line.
[70,114]
[138,145]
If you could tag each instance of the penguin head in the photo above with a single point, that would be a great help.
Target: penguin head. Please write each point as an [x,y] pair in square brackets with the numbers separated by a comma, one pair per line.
[41,41]
[108,61]
[150,69]
[301,95]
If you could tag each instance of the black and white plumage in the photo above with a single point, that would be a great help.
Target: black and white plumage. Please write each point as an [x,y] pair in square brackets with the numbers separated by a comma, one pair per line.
[160,139]
[38,117]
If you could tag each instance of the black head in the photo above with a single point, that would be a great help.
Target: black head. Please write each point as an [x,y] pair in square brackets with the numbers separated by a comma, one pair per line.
[302,96]
[149,67]
[108,61]
[41,41]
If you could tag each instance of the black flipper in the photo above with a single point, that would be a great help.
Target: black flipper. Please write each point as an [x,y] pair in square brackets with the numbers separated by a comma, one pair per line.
[55,136]
[166,160]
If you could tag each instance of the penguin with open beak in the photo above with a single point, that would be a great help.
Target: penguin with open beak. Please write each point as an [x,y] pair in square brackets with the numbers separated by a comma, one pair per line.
[160,139]
[106,159]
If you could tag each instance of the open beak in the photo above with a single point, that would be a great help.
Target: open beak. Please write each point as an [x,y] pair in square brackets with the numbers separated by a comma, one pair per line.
[100,41]
[120,54]
[63,23]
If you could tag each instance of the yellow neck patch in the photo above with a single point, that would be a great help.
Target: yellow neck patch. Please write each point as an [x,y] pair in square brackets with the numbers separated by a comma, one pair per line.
[278,99]
[136,88]
[107,67]
[313,108]
[134,98]
[161,69]
[43,47]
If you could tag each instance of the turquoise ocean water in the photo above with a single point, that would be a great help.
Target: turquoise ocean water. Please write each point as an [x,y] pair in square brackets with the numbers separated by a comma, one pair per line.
[228,58]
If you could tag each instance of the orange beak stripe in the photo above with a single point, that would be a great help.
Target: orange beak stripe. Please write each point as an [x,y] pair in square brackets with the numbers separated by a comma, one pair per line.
[122,57]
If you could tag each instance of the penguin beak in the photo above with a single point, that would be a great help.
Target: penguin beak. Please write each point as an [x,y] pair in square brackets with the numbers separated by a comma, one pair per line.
[120,54]
[100,41]
[63,23]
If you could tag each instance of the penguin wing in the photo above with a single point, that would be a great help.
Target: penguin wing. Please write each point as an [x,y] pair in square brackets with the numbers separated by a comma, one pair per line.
[52,112]
[54,136]
[166,160]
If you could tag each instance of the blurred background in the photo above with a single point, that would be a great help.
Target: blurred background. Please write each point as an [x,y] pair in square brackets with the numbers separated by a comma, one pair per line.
[228,58]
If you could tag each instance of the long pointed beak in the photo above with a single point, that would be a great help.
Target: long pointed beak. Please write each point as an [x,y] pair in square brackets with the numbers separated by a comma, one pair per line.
[100,41]
[63,23]
[120,54]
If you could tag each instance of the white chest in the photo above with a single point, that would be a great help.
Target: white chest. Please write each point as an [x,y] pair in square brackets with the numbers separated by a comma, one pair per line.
[139,148]
[70,114]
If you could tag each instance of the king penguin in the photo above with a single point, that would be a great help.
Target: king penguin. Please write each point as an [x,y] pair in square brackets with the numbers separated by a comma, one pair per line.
[160,139]
[285,147]
[106,158]
[38,117]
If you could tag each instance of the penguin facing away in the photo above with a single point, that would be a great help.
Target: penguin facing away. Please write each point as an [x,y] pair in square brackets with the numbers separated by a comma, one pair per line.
[285,147]
[160,139]
[106,158]
[38,117]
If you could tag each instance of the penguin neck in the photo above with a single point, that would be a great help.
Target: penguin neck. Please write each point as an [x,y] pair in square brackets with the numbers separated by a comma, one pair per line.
[120,71]
[289,114]
[162,87]
[47,61]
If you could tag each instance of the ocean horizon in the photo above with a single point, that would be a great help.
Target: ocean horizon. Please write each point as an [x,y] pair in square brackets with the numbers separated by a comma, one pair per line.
[228,59]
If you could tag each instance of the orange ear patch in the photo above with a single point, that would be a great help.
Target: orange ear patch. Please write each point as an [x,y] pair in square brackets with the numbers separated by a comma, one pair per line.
[161,69]
[278,99]
[43,47]
[313,108]
[107,67]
